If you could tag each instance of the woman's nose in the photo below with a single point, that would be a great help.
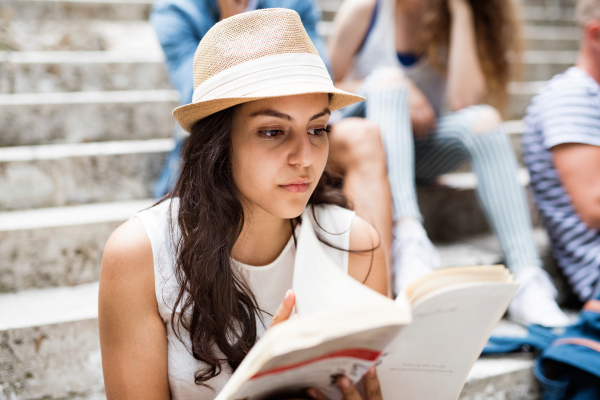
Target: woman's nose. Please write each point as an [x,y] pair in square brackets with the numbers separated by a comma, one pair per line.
[301,151]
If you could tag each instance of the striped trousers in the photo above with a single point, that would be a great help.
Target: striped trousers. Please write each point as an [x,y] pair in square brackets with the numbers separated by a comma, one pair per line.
[453,143]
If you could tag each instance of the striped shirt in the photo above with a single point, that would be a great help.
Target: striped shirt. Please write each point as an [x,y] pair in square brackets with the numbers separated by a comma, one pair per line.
[567,110]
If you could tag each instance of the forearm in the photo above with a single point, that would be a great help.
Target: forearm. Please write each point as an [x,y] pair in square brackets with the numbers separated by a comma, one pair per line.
[466,82]
[578,166]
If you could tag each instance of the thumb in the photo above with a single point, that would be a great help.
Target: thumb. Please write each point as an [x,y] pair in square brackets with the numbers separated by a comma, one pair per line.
[285,309]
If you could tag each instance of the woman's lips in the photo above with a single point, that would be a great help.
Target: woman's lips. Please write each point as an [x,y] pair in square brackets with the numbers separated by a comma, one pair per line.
[295,188]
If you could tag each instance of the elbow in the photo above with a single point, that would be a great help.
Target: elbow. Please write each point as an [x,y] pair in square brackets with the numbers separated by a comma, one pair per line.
[591,217]
[589,211]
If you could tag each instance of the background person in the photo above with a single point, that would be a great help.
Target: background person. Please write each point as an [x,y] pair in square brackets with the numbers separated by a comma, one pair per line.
[356,150]
[189,285]
[409,58]
[561,147]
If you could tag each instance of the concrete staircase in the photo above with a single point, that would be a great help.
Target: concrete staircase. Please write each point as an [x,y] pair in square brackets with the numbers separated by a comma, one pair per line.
[85,106]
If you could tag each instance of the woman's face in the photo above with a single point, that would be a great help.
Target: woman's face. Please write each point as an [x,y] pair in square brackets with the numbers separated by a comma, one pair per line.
[279,151]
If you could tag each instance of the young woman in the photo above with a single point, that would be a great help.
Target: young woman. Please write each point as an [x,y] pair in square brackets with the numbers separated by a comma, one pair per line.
[190,284]
[425,68]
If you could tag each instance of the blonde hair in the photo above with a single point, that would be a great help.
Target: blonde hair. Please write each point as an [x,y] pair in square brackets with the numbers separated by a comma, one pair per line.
[499,43]
[586,11]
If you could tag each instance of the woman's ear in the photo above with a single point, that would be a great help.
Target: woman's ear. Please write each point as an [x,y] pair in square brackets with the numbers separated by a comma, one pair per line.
[592,34]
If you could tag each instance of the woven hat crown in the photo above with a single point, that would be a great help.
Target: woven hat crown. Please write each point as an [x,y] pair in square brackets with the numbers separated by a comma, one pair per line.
[249,36]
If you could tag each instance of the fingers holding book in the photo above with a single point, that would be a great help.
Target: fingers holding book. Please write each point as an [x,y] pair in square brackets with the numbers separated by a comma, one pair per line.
[350,392]
[285,309]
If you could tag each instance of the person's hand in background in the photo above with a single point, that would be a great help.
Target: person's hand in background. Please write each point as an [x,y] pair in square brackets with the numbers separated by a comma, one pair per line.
[422,116]
[370,380]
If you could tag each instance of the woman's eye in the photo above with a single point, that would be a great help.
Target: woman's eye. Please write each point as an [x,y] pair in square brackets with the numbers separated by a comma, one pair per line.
[318,132]
[271,133]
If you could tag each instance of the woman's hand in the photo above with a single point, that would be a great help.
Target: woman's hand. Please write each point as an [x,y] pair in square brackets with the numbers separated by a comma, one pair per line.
[285,309]
[422,115]
[372,388]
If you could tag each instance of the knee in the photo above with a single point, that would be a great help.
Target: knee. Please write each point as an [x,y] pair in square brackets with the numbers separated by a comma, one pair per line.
[389,77]
[487,120]
[358,144]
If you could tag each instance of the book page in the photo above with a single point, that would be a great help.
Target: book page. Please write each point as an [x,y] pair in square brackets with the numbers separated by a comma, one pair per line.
[342,328]
[431,358]
[321,285]
[318,367]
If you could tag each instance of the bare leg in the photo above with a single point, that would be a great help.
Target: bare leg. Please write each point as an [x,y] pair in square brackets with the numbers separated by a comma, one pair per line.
[356,151]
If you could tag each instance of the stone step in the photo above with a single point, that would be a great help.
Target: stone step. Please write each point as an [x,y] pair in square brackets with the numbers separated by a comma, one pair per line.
[50,349]
[78,117]
[113,35]
[114,10]
[49,345]
[79,34]
[59,175]
[140,10]
[543,65]
[75,117]
[506,377]
[62,174]
[74,71]
[58,246]
[551,38]
[63,245]
[521,95]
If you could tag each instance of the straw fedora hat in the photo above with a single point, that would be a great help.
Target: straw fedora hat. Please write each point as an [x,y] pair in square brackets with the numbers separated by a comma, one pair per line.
[252,56]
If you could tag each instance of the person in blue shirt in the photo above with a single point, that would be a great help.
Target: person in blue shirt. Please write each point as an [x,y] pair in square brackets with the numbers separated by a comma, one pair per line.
[355,147]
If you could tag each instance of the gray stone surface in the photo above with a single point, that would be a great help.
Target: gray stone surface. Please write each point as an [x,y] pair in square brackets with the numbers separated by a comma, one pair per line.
[29,72]
[31,119]
[57,361]
[50,248]
[513,381]
[543,65]
[451,214]
[48,257]
[60,10]
[89,179]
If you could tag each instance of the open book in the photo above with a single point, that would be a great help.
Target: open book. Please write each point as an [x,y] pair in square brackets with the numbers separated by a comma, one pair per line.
[424,344]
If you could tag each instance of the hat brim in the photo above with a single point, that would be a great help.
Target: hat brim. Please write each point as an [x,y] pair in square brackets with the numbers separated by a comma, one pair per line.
[189,114]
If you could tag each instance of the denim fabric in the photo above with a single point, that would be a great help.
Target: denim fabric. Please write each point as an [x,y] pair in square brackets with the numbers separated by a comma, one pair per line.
[181,24]
[537,340]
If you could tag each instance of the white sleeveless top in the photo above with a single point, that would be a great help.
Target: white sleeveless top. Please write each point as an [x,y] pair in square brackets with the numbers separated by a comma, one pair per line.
[268,283]
[379,50]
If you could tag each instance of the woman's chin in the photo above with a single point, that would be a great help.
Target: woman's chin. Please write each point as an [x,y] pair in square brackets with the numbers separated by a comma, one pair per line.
[289,209]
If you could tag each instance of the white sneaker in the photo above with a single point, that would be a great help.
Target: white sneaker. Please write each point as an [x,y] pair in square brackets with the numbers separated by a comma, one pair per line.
[534,303]
[413,254]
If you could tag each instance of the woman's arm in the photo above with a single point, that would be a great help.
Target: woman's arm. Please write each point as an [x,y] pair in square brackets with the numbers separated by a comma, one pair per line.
[367,267]
[349,29]
[132,334]
[466,82]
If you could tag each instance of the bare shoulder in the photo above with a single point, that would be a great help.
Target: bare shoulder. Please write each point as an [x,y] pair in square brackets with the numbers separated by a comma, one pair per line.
[128,250]
[363,235]
[127,266]
[366,262]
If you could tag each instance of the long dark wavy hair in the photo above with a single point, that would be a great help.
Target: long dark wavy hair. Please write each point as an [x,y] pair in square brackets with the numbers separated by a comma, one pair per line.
[214,304]
[499,43]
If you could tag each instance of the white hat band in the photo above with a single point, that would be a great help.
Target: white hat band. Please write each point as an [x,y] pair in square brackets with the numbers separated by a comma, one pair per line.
[261,73]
